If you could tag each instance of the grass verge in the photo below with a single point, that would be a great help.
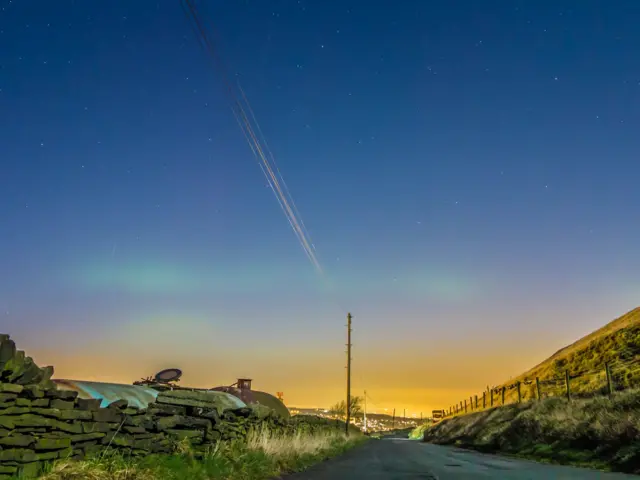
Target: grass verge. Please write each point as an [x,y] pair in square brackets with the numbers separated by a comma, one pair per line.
[265,454]
[599,432]
[418,432]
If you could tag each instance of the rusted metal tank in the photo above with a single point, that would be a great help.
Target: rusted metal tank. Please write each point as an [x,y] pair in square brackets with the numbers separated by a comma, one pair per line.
[137,396]
[242,390]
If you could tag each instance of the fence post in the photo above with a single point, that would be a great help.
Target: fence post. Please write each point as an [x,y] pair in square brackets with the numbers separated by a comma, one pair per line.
[519,392]
[538,388]
[471,403]
[607,369]
[484,400]
[465,405]
[491,393]
[476,398]
[566,381]
[504,390]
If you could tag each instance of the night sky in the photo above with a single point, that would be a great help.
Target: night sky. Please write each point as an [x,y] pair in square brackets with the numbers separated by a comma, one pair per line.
[468,172]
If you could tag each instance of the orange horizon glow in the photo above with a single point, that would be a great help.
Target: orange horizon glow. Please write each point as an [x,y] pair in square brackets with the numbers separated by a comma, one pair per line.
[314,380]
[418,373]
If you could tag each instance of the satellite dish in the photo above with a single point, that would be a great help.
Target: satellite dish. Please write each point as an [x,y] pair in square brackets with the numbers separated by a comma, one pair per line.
[168,375]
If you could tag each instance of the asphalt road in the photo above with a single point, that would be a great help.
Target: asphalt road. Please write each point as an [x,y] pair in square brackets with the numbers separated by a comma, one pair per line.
[399,458]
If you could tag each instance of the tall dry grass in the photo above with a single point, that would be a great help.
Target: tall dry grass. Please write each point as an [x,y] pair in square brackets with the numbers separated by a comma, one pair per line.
[600,431]
[299,443]
[266,453]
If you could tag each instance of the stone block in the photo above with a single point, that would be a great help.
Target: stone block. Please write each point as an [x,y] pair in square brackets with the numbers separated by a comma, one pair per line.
[193,435]
[92,448]
[8,398]
[47,373]
[40,403]
[118,439]
[52,444]
[7,351]
[15,410]
[132,429]
[107,415]
[6,422]
[61,394]
[30,374]
[30,470]
[54,454]
[19,455]
[147,422]
[102,427]
[192,398]
[87,437]
[166,410]
[143,444]
[7,470]
[31,430]
[17,440]
[187,422]
[37,421]
[161,445]
[209,413]
[90,404]
[33,392]
[13,368]
[11,388]
[62,404]
[63,414]
[54,434]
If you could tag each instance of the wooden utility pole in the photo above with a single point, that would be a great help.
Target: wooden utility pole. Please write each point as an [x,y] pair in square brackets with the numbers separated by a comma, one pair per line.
[346,427]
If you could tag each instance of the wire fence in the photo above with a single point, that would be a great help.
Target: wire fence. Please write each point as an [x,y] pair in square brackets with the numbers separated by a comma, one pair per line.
[616,375]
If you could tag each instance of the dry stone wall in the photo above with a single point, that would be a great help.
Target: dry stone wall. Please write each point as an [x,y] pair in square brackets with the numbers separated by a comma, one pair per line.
[39,423]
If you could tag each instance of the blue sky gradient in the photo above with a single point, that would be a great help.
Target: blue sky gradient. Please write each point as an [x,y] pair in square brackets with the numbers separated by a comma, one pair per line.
[467,171]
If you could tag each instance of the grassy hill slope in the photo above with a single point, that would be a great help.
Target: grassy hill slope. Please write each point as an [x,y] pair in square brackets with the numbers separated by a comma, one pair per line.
[617,343]
[600,431]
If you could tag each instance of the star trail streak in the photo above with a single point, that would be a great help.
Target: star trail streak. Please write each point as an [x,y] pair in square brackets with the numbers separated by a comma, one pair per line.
[254,137]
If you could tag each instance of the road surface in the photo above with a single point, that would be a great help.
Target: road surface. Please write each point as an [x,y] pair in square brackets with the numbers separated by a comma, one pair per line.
[393,458]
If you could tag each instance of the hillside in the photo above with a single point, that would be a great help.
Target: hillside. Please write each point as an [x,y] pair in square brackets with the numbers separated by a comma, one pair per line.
[616,343]
[595,430]
[600,432]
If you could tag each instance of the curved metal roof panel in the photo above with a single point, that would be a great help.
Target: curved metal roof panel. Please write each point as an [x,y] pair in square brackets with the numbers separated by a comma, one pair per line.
[137,396]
